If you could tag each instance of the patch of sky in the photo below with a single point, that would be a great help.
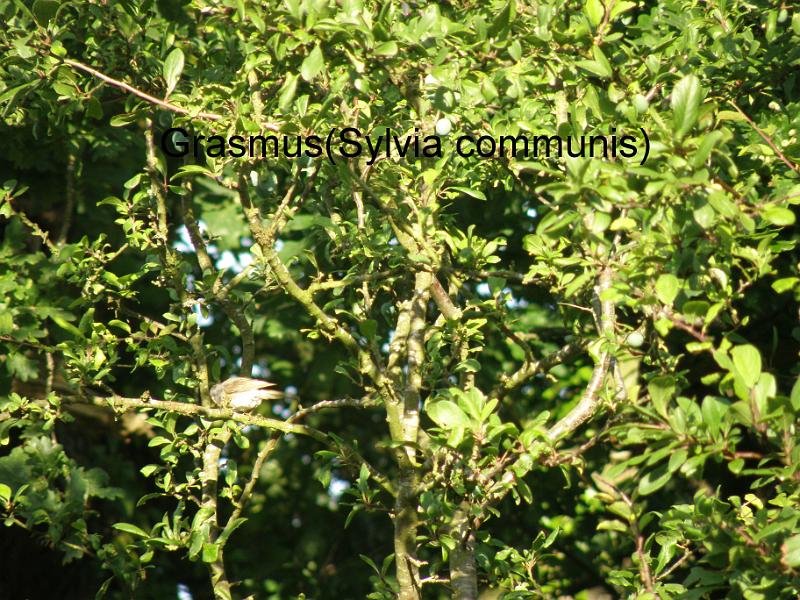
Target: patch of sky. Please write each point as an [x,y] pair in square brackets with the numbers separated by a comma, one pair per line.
[337,487]
[183,592]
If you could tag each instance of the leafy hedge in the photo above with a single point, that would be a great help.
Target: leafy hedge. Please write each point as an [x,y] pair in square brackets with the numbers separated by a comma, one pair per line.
[519,377]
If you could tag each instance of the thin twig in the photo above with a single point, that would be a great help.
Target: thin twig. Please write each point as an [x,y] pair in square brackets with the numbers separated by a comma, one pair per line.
[644,566]
[601,28]
[686,556]
[330,284]
[326,404]
[530,368]
[209,116]
[37,231]
[69,193]
[766,138]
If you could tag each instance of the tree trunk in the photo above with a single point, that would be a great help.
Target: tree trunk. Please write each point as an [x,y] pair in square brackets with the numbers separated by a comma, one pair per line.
[405,537]
[210,478]
[463,574]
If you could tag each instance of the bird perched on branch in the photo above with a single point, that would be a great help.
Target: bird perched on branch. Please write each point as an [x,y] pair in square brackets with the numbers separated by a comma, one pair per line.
[243,393]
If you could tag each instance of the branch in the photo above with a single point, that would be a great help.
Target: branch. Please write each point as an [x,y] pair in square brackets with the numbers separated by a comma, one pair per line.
[37,231]
[766,138]
[581,412]
[69,194]
[682,324]
[247,491]
[218,290]
[331,284]
[687,554]
[169,259]
[403,416]
[281,273]
[244,497]
[209,512]
[587,405]
[601,28]
[197,410]
[531,368]
[442,299]
[644,566]
[208,116]
[463,571]
[326,404]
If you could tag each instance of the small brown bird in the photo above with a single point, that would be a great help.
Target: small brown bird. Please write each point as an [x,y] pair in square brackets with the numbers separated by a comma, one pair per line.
[243,393]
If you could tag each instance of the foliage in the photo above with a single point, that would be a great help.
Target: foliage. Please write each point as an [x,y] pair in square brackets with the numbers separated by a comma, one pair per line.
[529,378]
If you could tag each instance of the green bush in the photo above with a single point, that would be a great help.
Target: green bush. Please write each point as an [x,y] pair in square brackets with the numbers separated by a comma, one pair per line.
[506,374]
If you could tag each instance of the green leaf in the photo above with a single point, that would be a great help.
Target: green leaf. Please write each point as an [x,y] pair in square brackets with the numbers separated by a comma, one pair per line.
[21,366]
[6,322]
[370,562]
[469,365]
[387,49]
[747,363]
[714,410]
[173,67]
[795,396]
[148,470]
[131,528]
[654,480]
[612,525]
[503,19]
[661,390]
[601,59]
[313,64]
[287,92]
[706,146]
[677,459]
[124,119]
[120,325]
[667,288]
[66,326]
[9,94]
[777,215]
[736,465]
[620,6]
[44,10]
[86,322]
[595,68]
[368,328]
[594,11]
[785,284]
[210,552]
[187,170]
[687,96]
[791,551]
[5,493]
[470,192]
[446,414]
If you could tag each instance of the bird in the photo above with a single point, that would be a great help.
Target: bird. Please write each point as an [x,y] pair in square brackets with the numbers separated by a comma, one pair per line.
[243,393]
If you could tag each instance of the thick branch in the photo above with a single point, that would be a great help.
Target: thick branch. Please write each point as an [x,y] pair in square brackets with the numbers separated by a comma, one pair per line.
[587,405]
[196,410]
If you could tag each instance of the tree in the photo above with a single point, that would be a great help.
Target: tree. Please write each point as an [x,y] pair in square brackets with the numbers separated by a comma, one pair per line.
[526,273]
